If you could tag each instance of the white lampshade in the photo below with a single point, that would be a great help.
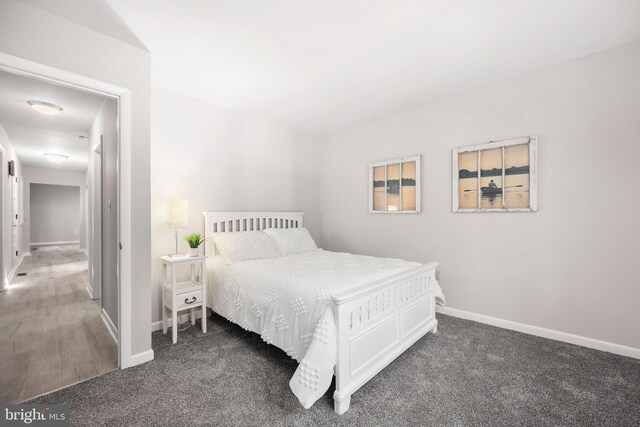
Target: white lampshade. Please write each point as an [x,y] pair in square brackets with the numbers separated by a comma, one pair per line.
[177,213]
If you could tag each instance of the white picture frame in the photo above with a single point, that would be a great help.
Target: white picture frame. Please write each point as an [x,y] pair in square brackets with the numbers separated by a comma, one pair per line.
[408,201]
[504,197]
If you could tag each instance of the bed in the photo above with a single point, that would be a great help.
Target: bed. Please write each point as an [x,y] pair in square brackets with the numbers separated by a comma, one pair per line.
[335,313]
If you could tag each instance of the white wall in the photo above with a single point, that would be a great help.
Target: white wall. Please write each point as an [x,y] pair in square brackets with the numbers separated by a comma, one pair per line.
[31,175]
[6,212]
[32,34]
[55,213]
[307,173]
[572,266]
[219,160]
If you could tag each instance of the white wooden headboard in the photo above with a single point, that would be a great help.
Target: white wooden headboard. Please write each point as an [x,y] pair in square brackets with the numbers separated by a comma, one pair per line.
[226,222]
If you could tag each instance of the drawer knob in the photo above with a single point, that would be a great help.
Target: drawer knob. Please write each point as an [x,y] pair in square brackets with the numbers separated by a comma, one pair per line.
[193,299]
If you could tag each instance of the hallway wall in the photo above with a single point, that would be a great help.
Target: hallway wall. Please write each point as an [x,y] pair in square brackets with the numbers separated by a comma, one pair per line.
[55,214]
[33,175]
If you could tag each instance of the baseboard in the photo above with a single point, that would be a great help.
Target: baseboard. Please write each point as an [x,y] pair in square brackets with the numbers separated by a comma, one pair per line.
[140,358]
[64,242]
[544,332]
[15,269]
[113,331]
[157,326]
[89,290]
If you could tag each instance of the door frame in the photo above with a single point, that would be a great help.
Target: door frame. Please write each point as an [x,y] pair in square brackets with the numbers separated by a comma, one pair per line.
[123,97]
[5,277]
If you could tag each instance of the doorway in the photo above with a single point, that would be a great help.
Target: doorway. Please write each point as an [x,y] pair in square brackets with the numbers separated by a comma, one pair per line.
[124,99]
[58,333]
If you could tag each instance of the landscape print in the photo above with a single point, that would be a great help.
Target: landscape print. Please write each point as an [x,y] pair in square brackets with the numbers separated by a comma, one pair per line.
[491,179]
[379,188]
[394,186]
[516,179]
[468,180]
[503,181]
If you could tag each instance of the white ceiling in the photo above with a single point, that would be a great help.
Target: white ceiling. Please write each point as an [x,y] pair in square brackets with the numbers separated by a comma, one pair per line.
[320,65]
[33,134]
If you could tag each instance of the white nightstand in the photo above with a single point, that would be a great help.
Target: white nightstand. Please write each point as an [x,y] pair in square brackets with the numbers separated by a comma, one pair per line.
[179,296]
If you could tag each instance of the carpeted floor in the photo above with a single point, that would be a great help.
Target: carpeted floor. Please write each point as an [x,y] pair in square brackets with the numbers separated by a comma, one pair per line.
[467,374]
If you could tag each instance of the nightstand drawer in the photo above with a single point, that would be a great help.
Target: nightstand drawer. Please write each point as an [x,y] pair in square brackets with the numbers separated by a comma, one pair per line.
[189,299]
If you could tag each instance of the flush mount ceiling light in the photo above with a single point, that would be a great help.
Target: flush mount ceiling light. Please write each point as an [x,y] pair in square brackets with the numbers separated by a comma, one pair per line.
[56,158]
[45,107]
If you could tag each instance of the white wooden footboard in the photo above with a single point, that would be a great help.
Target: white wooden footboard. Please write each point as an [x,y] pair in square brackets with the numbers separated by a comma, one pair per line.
[377,322]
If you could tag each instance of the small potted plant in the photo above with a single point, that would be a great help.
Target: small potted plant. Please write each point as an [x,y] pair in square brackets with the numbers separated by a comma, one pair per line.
[194,240]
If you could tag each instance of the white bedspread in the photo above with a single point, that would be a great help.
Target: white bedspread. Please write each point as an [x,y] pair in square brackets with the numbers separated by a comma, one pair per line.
[287,300]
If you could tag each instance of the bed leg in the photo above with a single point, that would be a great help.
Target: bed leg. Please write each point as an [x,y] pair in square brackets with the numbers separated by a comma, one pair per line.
[341,404]
[435,328]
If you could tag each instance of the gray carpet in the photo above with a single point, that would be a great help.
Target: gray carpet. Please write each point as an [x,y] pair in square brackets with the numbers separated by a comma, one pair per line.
[467,374]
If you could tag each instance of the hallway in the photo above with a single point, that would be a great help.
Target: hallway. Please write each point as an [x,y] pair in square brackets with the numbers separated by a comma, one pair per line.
[51,333]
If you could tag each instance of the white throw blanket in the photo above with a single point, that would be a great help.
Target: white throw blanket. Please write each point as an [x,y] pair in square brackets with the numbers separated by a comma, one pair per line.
[313,376]
[287,300]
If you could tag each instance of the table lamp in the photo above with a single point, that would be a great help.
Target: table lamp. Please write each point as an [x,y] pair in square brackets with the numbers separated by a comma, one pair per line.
[177,216]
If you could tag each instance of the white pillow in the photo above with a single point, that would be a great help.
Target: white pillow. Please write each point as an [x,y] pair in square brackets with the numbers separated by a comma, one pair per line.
[244,245]
[291,240]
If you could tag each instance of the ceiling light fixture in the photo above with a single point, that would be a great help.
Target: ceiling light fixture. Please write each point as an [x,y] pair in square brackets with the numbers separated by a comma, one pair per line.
[56,158]
[45,107]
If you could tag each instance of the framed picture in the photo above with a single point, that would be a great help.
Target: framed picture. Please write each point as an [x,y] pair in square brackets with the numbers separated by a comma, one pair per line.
[498,176]
[394,185]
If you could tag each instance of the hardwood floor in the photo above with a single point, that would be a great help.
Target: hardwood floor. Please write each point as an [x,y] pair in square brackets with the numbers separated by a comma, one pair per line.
[51,333]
